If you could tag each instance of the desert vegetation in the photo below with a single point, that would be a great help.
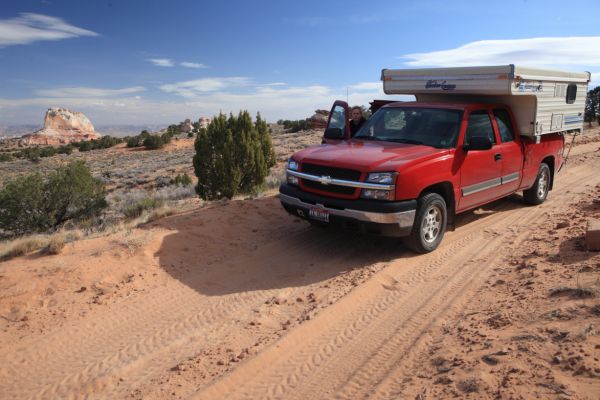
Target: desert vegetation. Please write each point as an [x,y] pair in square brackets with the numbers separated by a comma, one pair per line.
[233,155]
[592,106]
[295,125]
[139,186]
[38,203]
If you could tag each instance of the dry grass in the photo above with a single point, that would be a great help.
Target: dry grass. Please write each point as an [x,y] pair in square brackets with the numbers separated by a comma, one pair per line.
[469,385]
[160,213]
[22,246]
[134,242]
[56,244]
[581,292]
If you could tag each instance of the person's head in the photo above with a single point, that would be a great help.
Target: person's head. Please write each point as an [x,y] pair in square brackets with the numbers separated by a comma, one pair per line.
[356,114]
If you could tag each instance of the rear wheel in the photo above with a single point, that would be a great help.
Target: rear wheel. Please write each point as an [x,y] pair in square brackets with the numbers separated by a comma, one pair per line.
[430,224]
[539,191]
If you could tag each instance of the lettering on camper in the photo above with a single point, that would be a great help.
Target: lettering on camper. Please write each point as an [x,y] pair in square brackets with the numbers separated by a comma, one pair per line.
[434,84]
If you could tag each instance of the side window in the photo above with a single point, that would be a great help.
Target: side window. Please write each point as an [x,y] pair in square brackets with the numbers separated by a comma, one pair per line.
[504,125]
[480,125]
[338,119]
[571,93]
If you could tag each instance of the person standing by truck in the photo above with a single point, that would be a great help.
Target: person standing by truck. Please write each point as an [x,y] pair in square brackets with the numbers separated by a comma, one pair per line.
[356,120]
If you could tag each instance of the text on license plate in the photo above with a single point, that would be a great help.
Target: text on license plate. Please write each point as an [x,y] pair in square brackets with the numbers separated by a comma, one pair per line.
[319,214]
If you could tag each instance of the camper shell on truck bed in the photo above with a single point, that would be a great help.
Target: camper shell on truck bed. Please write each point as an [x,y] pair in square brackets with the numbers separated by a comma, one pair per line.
[543,101]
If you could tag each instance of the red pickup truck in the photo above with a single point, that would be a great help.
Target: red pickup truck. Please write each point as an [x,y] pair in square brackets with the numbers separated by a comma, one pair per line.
[413,166]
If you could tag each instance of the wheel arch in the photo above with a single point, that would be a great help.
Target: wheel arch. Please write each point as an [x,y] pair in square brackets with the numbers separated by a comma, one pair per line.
[446,190]
[550,162]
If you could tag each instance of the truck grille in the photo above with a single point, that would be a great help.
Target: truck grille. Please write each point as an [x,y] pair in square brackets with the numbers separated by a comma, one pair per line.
[336,173]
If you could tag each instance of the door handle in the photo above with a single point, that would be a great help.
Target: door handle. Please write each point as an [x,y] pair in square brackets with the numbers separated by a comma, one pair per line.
[497,157]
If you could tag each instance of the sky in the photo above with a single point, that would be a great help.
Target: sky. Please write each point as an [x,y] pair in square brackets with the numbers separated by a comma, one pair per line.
[160,62]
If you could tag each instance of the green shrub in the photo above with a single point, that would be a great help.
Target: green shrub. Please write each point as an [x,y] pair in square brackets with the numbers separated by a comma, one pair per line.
[233,155]
[133,141]
[6,157]
[154,142]
[104,142]
[31,154]
[86,146]
[294,126]
[37,203]
[47,152]
[136,209]
[182,180]
[68,149]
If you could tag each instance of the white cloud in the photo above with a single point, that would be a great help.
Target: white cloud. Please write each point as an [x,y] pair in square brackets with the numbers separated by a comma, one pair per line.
[29,27]
[275,84]
[366,86]
[545,51]
[88,92]
[161,62]
[188,64]
[205,85]
[201,97]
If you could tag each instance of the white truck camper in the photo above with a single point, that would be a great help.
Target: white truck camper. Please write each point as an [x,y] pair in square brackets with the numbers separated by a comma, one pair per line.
[543,101]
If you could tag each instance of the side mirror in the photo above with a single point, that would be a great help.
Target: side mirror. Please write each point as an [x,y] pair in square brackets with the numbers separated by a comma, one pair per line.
[478,143]
[334,133]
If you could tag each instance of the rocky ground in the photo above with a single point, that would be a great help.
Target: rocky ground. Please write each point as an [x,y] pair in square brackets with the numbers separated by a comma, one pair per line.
[237,299]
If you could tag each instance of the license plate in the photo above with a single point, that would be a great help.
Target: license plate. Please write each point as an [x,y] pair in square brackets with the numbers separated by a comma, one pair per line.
[319,214]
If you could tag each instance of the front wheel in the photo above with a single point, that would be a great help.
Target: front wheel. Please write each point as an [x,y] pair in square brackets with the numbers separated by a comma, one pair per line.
[539,191]
[430,224]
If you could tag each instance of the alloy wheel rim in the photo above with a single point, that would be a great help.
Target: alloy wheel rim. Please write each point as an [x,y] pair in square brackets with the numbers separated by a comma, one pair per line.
[542,184]
[432,223]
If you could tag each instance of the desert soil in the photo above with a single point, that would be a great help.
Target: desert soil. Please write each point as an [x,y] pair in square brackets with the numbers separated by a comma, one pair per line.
[240,300]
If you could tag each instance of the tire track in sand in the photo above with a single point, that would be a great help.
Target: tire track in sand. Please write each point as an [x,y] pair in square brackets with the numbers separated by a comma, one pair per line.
[354,344]
[139,337]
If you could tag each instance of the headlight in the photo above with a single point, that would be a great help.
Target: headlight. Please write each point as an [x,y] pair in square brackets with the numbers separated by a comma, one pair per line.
[377,194]
[293,165]
[387,178]
[384,178]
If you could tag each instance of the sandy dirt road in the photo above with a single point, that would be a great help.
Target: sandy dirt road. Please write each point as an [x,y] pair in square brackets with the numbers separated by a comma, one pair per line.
[239,300]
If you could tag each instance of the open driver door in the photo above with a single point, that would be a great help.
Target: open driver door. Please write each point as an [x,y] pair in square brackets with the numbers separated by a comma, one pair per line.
[338,124]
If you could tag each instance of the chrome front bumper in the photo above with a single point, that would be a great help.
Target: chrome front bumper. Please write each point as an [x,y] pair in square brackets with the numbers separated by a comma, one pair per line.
[403,219]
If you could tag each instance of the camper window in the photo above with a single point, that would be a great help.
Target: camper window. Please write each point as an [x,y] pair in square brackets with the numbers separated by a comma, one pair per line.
[571,93]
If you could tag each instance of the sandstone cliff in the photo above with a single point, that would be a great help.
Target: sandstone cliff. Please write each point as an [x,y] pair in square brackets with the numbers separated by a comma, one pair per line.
[62,126]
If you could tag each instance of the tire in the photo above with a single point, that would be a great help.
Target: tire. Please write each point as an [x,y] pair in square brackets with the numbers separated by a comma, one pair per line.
[537,193]
[430,224]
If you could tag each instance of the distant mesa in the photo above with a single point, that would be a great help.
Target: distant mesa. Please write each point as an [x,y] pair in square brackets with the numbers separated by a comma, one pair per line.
[62,126]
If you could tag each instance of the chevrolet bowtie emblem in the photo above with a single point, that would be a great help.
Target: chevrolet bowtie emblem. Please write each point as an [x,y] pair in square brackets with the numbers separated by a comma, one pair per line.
[325,180]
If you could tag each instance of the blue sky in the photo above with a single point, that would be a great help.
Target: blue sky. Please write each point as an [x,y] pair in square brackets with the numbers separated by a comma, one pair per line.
[159,62]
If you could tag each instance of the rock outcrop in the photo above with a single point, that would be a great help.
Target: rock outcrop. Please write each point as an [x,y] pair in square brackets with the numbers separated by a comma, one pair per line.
[319,119]
[62,126]
[204,122]
[186,126]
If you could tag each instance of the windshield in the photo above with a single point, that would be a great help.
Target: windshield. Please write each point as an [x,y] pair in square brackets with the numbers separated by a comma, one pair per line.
[428,126]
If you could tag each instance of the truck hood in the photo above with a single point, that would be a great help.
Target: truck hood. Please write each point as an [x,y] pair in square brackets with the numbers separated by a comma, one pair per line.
[368,156]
